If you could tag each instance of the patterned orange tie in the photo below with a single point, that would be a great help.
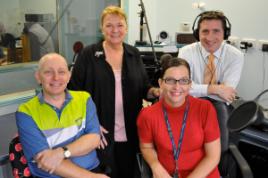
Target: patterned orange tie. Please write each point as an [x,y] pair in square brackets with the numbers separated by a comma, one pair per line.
[210,71]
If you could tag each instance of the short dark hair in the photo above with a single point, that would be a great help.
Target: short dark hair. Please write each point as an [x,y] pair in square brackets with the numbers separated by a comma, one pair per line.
[168,61]
[212,15]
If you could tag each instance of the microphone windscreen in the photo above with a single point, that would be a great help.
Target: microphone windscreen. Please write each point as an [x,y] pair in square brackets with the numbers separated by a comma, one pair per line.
[77,47]
[243,116]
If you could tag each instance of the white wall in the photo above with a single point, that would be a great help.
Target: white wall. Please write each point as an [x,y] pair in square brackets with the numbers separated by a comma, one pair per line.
[10,15]
[134,20]
[248,19]
[38,6]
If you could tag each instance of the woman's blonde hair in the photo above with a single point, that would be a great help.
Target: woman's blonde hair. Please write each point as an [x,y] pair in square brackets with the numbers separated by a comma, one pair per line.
[115,10]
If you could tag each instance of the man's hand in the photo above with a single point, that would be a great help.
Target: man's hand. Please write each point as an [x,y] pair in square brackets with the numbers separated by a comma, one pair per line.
[103,142]
[227,93]
[48,160]
[99,176]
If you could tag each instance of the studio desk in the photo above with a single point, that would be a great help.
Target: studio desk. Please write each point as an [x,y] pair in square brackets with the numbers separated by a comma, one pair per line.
[253,145]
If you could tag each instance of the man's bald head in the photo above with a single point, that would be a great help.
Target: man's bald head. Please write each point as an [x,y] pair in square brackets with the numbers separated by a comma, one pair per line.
[49,57]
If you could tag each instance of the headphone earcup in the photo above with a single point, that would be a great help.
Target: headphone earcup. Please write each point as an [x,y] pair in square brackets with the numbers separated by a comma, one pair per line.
[196,34]
[227,33]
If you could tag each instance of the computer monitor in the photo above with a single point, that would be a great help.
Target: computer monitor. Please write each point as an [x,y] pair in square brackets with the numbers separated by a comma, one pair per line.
[184,38]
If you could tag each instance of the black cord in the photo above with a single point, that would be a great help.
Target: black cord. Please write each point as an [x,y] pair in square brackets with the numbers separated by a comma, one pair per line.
[259,95]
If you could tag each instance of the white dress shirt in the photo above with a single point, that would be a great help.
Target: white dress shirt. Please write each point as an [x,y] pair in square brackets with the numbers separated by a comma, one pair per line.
[228,63]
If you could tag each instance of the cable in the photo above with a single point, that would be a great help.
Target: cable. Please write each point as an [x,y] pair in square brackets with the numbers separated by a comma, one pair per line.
[259,95]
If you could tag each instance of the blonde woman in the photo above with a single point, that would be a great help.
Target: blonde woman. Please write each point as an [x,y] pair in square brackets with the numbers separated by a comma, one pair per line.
[113,73]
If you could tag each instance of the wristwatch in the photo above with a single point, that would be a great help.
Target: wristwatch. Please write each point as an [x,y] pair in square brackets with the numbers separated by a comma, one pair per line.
[67,153]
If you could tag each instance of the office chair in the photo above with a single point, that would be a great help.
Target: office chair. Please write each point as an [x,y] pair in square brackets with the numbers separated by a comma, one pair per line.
[232,163]
[145,170]
[17,160]
[227,167]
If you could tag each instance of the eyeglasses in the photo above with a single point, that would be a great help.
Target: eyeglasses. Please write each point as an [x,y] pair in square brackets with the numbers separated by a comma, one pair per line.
[182,81]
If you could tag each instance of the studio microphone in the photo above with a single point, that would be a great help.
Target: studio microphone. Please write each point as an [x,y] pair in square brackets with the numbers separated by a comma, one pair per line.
[148,30]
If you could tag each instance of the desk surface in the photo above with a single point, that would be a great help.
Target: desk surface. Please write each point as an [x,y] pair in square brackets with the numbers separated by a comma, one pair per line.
[253,145]
[255,137]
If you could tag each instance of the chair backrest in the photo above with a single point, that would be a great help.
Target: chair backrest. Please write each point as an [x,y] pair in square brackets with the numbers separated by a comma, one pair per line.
[227,165]
[223,115]
[17,159]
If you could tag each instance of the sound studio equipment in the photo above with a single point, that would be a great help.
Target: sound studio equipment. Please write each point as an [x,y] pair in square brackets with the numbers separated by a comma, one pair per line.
[141,42]
[163,38]
[148,29]
[209,15]
[247,114]
[184,39]
[151,68]
[153,63]
[248,124]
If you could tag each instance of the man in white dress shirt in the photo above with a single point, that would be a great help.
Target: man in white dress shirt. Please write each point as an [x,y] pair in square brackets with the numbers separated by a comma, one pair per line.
[212,28]
[215,66]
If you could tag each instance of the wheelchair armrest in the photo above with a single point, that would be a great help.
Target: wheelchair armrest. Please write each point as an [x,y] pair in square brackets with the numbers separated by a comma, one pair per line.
[4,160]
[242,163]
[144,168]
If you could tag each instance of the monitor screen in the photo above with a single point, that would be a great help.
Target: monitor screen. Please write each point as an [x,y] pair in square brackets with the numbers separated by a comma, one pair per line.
[185,38]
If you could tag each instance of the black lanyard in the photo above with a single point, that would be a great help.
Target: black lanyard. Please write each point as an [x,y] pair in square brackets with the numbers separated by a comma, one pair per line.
[176,152]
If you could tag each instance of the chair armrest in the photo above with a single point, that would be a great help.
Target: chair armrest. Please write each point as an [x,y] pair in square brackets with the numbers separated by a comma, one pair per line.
[242,163]
[4,160]
[144,168]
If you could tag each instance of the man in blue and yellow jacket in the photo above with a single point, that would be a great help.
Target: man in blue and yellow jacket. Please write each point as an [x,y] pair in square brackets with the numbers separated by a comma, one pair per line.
[59,129]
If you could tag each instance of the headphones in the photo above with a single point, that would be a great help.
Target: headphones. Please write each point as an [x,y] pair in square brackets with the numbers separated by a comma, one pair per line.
[212,15]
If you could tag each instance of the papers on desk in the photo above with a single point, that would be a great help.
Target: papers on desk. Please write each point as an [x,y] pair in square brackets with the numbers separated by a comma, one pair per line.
[158,48]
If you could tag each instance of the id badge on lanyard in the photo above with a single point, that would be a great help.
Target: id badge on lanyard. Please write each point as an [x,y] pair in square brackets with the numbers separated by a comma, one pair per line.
[176,152]
[176,173]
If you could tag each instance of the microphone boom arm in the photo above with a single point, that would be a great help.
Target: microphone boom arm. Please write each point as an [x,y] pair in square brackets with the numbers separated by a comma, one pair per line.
[141,25]
[149,33]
